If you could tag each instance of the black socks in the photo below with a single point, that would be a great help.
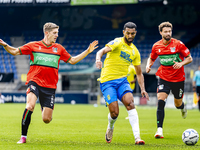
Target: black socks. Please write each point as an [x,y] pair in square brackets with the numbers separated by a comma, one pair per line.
[181,107]
[160,113]
[26,119]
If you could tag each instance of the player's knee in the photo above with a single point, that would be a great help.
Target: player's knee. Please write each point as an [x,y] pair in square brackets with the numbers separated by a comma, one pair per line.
[114,115]
[130,106]
[47,119]
[179,105]
[30,107]
[161,104]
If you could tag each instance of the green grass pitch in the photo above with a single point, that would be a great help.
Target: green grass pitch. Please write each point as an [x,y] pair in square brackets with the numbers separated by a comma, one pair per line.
[80,127]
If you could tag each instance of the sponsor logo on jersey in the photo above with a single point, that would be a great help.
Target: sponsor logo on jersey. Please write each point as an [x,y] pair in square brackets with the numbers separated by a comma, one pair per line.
[49,60]
[168,60]
[126,56]
[46,59]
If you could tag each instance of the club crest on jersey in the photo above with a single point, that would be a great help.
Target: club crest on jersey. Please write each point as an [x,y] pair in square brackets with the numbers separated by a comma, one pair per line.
[55,49]
[39,47]
[173,49]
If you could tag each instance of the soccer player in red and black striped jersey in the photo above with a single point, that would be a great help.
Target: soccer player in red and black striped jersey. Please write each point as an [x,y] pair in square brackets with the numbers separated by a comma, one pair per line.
[42,77]
[173,56]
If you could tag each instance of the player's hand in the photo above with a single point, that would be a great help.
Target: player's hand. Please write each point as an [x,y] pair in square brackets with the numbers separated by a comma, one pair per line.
[99,64]
[93,46]
[148,69]
[145,94]
[177,65]
[2,43]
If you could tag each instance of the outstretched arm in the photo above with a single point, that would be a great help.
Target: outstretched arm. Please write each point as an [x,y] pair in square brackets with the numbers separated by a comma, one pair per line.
[140,79]
[12,50]
[99,54]
[79,57]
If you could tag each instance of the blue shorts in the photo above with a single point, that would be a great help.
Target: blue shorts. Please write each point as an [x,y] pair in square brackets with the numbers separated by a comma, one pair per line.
[115,89]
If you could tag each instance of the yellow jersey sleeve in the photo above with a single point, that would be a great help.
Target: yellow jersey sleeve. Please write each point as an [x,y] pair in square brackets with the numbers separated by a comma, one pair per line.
[113,44]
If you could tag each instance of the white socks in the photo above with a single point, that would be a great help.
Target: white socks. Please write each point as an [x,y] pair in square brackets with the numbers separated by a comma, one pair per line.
[134,121]
[24,136]
[111,122]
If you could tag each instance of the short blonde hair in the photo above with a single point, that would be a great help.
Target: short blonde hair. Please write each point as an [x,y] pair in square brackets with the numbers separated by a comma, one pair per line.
[164,24]
[49,26]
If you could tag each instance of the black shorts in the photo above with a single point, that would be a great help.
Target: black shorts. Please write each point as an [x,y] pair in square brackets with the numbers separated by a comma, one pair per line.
[198,90]
[177,88]
[46,95]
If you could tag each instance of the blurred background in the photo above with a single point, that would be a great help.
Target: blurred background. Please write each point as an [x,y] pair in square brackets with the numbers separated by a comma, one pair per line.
[81,22]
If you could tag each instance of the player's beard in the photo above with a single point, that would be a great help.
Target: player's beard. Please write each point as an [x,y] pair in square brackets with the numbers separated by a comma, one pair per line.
[128,40]
[167,38]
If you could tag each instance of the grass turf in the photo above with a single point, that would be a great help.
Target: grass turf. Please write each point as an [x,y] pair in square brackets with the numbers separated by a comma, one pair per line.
[84,126]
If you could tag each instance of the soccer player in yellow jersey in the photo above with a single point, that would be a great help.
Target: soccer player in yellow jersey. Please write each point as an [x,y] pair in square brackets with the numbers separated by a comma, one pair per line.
[113,81]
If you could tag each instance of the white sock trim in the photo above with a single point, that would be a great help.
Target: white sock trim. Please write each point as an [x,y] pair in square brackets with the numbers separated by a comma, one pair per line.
[24,136]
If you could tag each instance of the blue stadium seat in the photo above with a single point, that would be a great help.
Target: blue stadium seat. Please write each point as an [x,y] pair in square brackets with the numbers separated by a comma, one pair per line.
[2,66]
[5,52]
[2,70]
[8,69]
[15,76]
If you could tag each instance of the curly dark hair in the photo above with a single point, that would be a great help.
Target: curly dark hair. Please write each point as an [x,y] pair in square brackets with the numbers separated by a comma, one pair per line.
[164,24]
